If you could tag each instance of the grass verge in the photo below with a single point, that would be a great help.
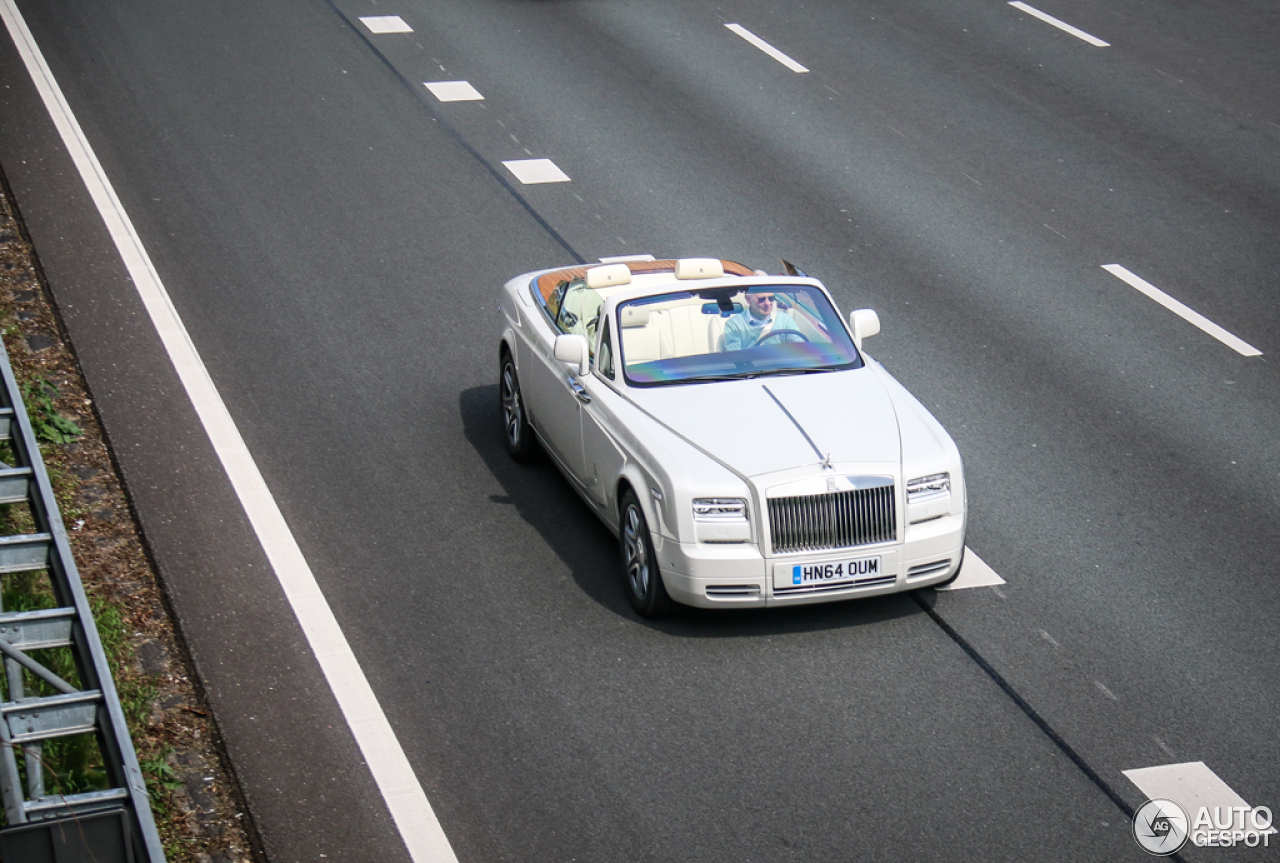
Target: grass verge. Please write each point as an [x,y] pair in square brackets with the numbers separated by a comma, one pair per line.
[195,801]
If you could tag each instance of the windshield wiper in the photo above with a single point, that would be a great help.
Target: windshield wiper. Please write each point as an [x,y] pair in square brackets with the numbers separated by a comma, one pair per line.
[796,371]
[704,379]
[746,376]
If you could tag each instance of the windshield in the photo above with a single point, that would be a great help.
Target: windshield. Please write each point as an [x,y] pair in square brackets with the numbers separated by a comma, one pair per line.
[728,333]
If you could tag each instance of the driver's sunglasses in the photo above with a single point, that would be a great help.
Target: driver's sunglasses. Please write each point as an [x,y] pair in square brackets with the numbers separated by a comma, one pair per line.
[760,299]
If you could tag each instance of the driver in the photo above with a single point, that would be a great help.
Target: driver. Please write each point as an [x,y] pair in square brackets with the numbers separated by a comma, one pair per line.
[756,321]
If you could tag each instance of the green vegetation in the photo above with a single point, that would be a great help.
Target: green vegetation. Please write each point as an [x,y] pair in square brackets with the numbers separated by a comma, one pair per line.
[71,765]
[40,395]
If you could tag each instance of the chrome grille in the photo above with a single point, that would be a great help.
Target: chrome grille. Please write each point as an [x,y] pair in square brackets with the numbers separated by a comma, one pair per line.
[840,519]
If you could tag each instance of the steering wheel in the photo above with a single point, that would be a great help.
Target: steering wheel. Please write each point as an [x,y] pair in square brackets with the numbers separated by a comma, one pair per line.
[770,335]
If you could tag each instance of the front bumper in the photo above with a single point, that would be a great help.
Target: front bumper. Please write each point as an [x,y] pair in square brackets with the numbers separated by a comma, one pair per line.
[712,575]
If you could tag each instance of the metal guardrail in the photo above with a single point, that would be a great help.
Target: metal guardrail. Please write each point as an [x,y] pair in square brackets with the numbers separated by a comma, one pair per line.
[112,823]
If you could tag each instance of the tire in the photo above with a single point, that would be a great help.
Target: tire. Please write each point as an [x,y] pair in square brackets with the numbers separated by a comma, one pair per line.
[642,579]
[516,431]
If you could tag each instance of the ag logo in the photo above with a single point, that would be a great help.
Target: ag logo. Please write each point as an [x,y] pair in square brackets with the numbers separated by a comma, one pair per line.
[1160,826]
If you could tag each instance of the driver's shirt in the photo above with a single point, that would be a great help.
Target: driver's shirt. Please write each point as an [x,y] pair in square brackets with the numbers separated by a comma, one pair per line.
[745,330]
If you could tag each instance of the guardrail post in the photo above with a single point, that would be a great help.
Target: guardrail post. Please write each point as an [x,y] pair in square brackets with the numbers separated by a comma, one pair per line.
[108,824]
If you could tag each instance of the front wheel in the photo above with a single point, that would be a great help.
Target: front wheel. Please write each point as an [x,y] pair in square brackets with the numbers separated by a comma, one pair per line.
[516,431]
[645,590]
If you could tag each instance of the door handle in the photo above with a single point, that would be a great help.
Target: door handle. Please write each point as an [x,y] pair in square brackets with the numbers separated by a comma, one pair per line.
[580,391]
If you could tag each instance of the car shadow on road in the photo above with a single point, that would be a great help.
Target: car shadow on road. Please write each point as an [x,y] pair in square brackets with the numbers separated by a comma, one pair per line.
[545,500]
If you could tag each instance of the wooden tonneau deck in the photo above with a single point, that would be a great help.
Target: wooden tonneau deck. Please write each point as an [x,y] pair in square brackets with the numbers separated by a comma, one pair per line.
[548,282]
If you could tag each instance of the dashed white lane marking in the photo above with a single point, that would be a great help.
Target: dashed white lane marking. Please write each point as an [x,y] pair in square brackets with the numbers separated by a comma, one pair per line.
[530,171]
[400,788]
[1061,25]
[766,48]
[1191,786]
[453,91]
[379,24]
[974,572]
[1189,315]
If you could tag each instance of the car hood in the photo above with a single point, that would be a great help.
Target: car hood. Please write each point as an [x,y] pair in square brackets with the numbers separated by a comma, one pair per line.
[775,423]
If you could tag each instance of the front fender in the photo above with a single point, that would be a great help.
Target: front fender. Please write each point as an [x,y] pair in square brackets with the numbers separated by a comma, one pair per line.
[639,479]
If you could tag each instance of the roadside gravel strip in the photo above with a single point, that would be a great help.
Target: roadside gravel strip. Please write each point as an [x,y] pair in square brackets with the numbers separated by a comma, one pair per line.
[198,808]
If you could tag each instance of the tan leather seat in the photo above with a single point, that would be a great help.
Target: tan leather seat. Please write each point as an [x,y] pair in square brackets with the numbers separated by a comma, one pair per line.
[643,336]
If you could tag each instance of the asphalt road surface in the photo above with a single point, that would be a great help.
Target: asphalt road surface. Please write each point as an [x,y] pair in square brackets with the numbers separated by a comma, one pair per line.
[333,235]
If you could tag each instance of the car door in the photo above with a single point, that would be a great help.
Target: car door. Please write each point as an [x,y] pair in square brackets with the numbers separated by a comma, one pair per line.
[602,454]
[552,394]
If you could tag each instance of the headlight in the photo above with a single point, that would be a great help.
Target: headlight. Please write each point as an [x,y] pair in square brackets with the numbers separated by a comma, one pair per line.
[719,509]
[925,487]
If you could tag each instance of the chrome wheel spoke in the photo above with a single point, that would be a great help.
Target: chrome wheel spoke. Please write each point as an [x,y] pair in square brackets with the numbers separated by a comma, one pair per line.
[511,405]
[636,563]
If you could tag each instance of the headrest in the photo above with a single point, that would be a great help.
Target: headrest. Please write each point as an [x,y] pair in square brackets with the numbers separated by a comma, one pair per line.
[699,268]
[635,316]
[609,275]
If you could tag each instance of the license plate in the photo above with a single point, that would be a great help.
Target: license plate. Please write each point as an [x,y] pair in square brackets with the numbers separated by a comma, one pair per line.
[833,572]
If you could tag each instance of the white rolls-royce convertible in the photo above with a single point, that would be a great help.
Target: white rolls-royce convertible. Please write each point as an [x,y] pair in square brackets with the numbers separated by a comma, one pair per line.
[727,426]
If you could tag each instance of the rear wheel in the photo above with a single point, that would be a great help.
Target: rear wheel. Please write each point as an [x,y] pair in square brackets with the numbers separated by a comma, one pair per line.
[515,420]
[643,580]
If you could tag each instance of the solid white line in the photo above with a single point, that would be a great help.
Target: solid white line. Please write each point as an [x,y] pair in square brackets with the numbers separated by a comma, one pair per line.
[400,788]
[766,48]
[1187,314]
[1061,25]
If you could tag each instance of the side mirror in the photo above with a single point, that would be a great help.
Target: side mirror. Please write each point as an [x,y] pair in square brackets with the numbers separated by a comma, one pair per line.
[864,323]
[572,348]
